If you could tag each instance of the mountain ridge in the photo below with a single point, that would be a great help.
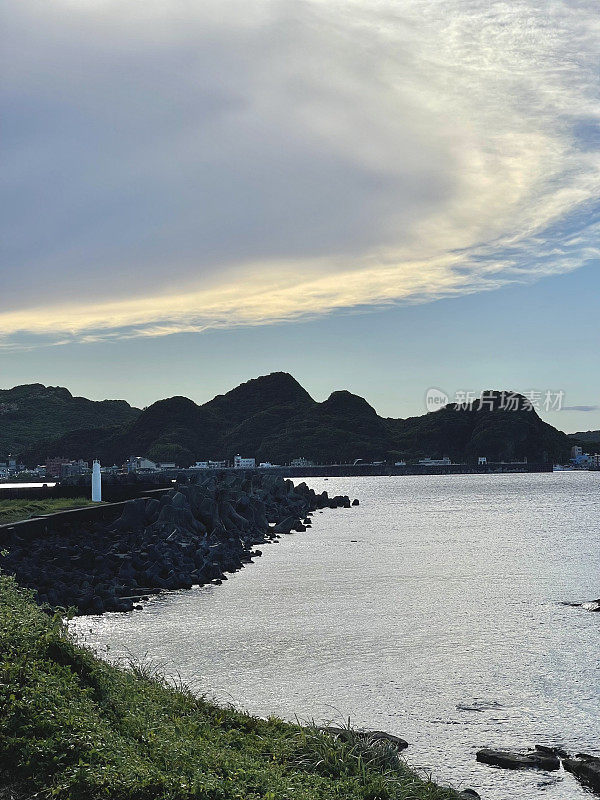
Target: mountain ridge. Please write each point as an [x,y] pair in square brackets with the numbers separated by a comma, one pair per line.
[33,412]
[273,418]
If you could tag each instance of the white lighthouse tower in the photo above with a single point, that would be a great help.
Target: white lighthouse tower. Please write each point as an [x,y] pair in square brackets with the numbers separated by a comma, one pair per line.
[96,482]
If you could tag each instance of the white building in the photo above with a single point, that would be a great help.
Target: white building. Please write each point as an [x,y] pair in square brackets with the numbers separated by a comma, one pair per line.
[140,464]
[428,462]
[243,463]
[482,460]
[301,462]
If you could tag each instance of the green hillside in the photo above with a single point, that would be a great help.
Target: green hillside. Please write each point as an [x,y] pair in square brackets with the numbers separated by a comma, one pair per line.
[274,419]
[33,413]
[73,727]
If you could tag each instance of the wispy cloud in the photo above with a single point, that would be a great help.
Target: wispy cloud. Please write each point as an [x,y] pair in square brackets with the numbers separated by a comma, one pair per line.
[581,408]
[177,166]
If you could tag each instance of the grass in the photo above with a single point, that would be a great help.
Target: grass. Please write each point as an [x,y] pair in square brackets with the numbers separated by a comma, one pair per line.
[74,727]
[15,510]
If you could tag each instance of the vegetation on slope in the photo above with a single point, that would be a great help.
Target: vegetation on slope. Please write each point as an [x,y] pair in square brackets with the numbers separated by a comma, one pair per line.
[75,727]
[274,419]
[34,413]
[466,433]
[588,440]
[15,510]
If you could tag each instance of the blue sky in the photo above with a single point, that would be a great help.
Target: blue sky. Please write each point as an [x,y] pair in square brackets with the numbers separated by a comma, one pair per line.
[375,196]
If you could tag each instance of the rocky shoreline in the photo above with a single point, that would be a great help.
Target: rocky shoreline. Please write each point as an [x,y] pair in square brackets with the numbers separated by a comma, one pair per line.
[585,767]
[190,535]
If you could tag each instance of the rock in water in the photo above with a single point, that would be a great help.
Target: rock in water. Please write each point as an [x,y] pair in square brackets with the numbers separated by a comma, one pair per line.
[287,525]
[553,751]
[508,759]
[586,769]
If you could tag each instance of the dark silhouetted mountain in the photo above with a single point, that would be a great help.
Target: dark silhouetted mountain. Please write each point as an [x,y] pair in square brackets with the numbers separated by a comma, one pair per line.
[341,429]
[274,419]
[278,390]
[482,429]
[32,413]
[586,438]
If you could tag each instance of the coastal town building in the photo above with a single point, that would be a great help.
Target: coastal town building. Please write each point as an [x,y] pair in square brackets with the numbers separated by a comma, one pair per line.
[301,462]
[435,461]
[113,470]
[54,466]
[243,463]
[11,467]
[584,460]
[72,468]
[59,467]
[142,464]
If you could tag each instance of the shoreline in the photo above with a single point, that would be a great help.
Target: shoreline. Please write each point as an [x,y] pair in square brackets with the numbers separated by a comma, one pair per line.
[79,728]
[111,556]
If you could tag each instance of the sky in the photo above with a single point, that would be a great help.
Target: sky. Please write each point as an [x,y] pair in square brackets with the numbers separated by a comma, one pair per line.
[384,196]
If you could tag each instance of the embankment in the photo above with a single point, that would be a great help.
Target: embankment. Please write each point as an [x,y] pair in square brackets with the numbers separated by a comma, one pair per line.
[105,558]
[73,727]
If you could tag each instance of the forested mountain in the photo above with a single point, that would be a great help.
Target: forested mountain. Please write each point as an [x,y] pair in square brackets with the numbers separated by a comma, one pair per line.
[33,413]
[274,419]
[588,439]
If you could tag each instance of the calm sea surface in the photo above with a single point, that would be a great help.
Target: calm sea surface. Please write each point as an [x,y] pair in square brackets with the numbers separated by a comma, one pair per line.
[433,611]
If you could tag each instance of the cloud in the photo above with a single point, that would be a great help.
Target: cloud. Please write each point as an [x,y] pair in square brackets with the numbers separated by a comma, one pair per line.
[175,166]
[581,408]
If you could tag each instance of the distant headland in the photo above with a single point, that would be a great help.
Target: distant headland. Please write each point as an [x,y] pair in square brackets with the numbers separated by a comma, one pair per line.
[272,419]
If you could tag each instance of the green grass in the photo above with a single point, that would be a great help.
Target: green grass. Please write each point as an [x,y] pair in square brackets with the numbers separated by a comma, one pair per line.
[15,510]
[74,726]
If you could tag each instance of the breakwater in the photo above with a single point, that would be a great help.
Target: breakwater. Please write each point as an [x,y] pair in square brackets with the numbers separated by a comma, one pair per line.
[106,558]
[113,490]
